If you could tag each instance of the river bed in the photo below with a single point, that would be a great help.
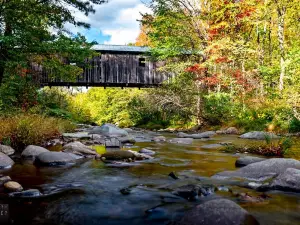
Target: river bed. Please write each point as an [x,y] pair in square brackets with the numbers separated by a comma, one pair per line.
[98,199]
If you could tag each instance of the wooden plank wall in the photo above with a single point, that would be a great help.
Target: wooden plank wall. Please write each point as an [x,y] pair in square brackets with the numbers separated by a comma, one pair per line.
[116,69]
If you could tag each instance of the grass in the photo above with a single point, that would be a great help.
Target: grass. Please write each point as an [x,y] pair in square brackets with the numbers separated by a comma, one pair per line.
[270,148]
[21,130]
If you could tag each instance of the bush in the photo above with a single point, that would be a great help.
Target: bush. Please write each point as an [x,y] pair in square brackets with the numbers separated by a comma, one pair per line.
[26,129]
[294,125]
[217,108]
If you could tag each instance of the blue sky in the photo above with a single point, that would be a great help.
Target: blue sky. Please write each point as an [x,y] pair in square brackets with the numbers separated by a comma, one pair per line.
[114,22]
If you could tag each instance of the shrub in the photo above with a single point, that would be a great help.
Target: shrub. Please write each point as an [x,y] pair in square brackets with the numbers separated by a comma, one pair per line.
[217,108]
[294,125]
[26,129]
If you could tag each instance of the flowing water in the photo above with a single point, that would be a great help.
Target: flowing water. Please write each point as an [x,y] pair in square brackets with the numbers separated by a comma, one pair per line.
[98,200]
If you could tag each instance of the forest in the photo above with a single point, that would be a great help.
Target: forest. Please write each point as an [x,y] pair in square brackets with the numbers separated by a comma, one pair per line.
[217,142]
[236,63]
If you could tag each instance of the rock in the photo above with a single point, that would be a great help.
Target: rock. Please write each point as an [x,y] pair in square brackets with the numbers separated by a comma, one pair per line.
[181,141]
[191,192]
[4,179]
[258,135]
[147,151]
[55,159]
[78,135]
[129,130]
[232,130]
[126,139]
[7,150]
[183,135]
[244,161]
[118,155]
[140,156]
[78,148]
[261,171]
[5,161]
[55,142]
[112,143]
[31,193]
[212,146]
[33,151]
[12,186]
[125,191]
[207,134]
[159,139]
[173,175]
[217,212]
[109,130]
[289,180]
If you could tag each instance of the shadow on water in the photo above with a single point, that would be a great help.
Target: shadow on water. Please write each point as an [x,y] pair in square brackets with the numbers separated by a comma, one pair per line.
[95,196]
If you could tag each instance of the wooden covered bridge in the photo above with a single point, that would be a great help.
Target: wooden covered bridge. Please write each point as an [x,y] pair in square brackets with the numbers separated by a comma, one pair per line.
[115,66]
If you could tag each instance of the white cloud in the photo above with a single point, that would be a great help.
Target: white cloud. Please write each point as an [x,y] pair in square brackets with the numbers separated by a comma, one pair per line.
[126,25]
[117,18]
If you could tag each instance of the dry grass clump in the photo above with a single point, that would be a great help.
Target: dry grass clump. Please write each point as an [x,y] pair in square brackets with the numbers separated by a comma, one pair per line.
[31,129]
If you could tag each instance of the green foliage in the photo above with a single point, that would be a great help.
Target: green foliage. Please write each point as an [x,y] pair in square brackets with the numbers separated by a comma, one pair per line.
[30,129]
[218,108]
[294,125]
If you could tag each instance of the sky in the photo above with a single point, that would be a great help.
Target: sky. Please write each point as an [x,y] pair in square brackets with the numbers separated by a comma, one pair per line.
[114,22]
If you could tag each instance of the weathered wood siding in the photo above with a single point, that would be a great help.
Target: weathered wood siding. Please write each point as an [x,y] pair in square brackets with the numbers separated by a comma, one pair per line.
[113,69]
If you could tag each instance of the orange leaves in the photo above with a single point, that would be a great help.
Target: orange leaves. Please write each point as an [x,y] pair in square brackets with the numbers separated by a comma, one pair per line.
[245,13]
[223,59]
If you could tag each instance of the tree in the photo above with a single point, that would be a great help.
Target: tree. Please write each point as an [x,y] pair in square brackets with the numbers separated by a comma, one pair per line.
[33,31]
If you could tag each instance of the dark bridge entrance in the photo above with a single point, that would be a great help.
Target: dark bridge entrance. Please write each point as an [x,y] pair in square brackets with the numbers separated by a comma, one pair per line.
[116,66]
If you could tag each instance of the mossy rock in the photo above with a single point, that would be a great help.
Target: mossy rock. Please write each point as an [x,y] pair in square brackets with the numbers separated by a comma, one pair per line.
[118,155]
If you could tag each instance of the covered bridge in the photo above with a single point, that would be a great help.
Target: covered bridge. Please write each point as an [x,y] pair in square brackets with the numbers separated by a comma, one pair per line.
[115,66]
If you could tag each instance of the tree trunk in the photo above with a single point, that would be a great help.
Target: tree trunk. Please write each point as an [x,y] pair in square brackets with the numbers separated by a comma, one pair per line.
[281,14]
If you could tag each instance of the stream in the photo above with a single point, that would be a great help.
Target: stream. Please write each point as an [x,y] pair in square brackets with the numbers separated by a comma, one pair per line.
[95,197]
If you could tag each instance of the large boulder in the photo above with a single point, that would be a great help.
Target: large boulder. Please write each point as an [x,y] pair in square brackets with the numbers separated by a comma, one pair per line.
[289,180]
[258,135]
[207,134]
[118,155]
[244,161]
[217,212]
[33,151]
[7,150]
[261,171]
[78,148]
[55,159]
[109,130]
[181,141]
[5,161]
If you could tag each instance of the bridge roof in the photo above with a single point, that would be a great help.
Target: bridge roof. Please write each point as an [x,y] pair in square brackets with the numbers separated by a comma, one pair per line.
[120,48]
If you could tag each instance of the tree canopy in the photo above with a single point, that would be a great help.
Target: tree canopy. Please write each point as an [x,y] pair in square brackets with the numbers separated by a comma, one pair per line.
[34,31]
